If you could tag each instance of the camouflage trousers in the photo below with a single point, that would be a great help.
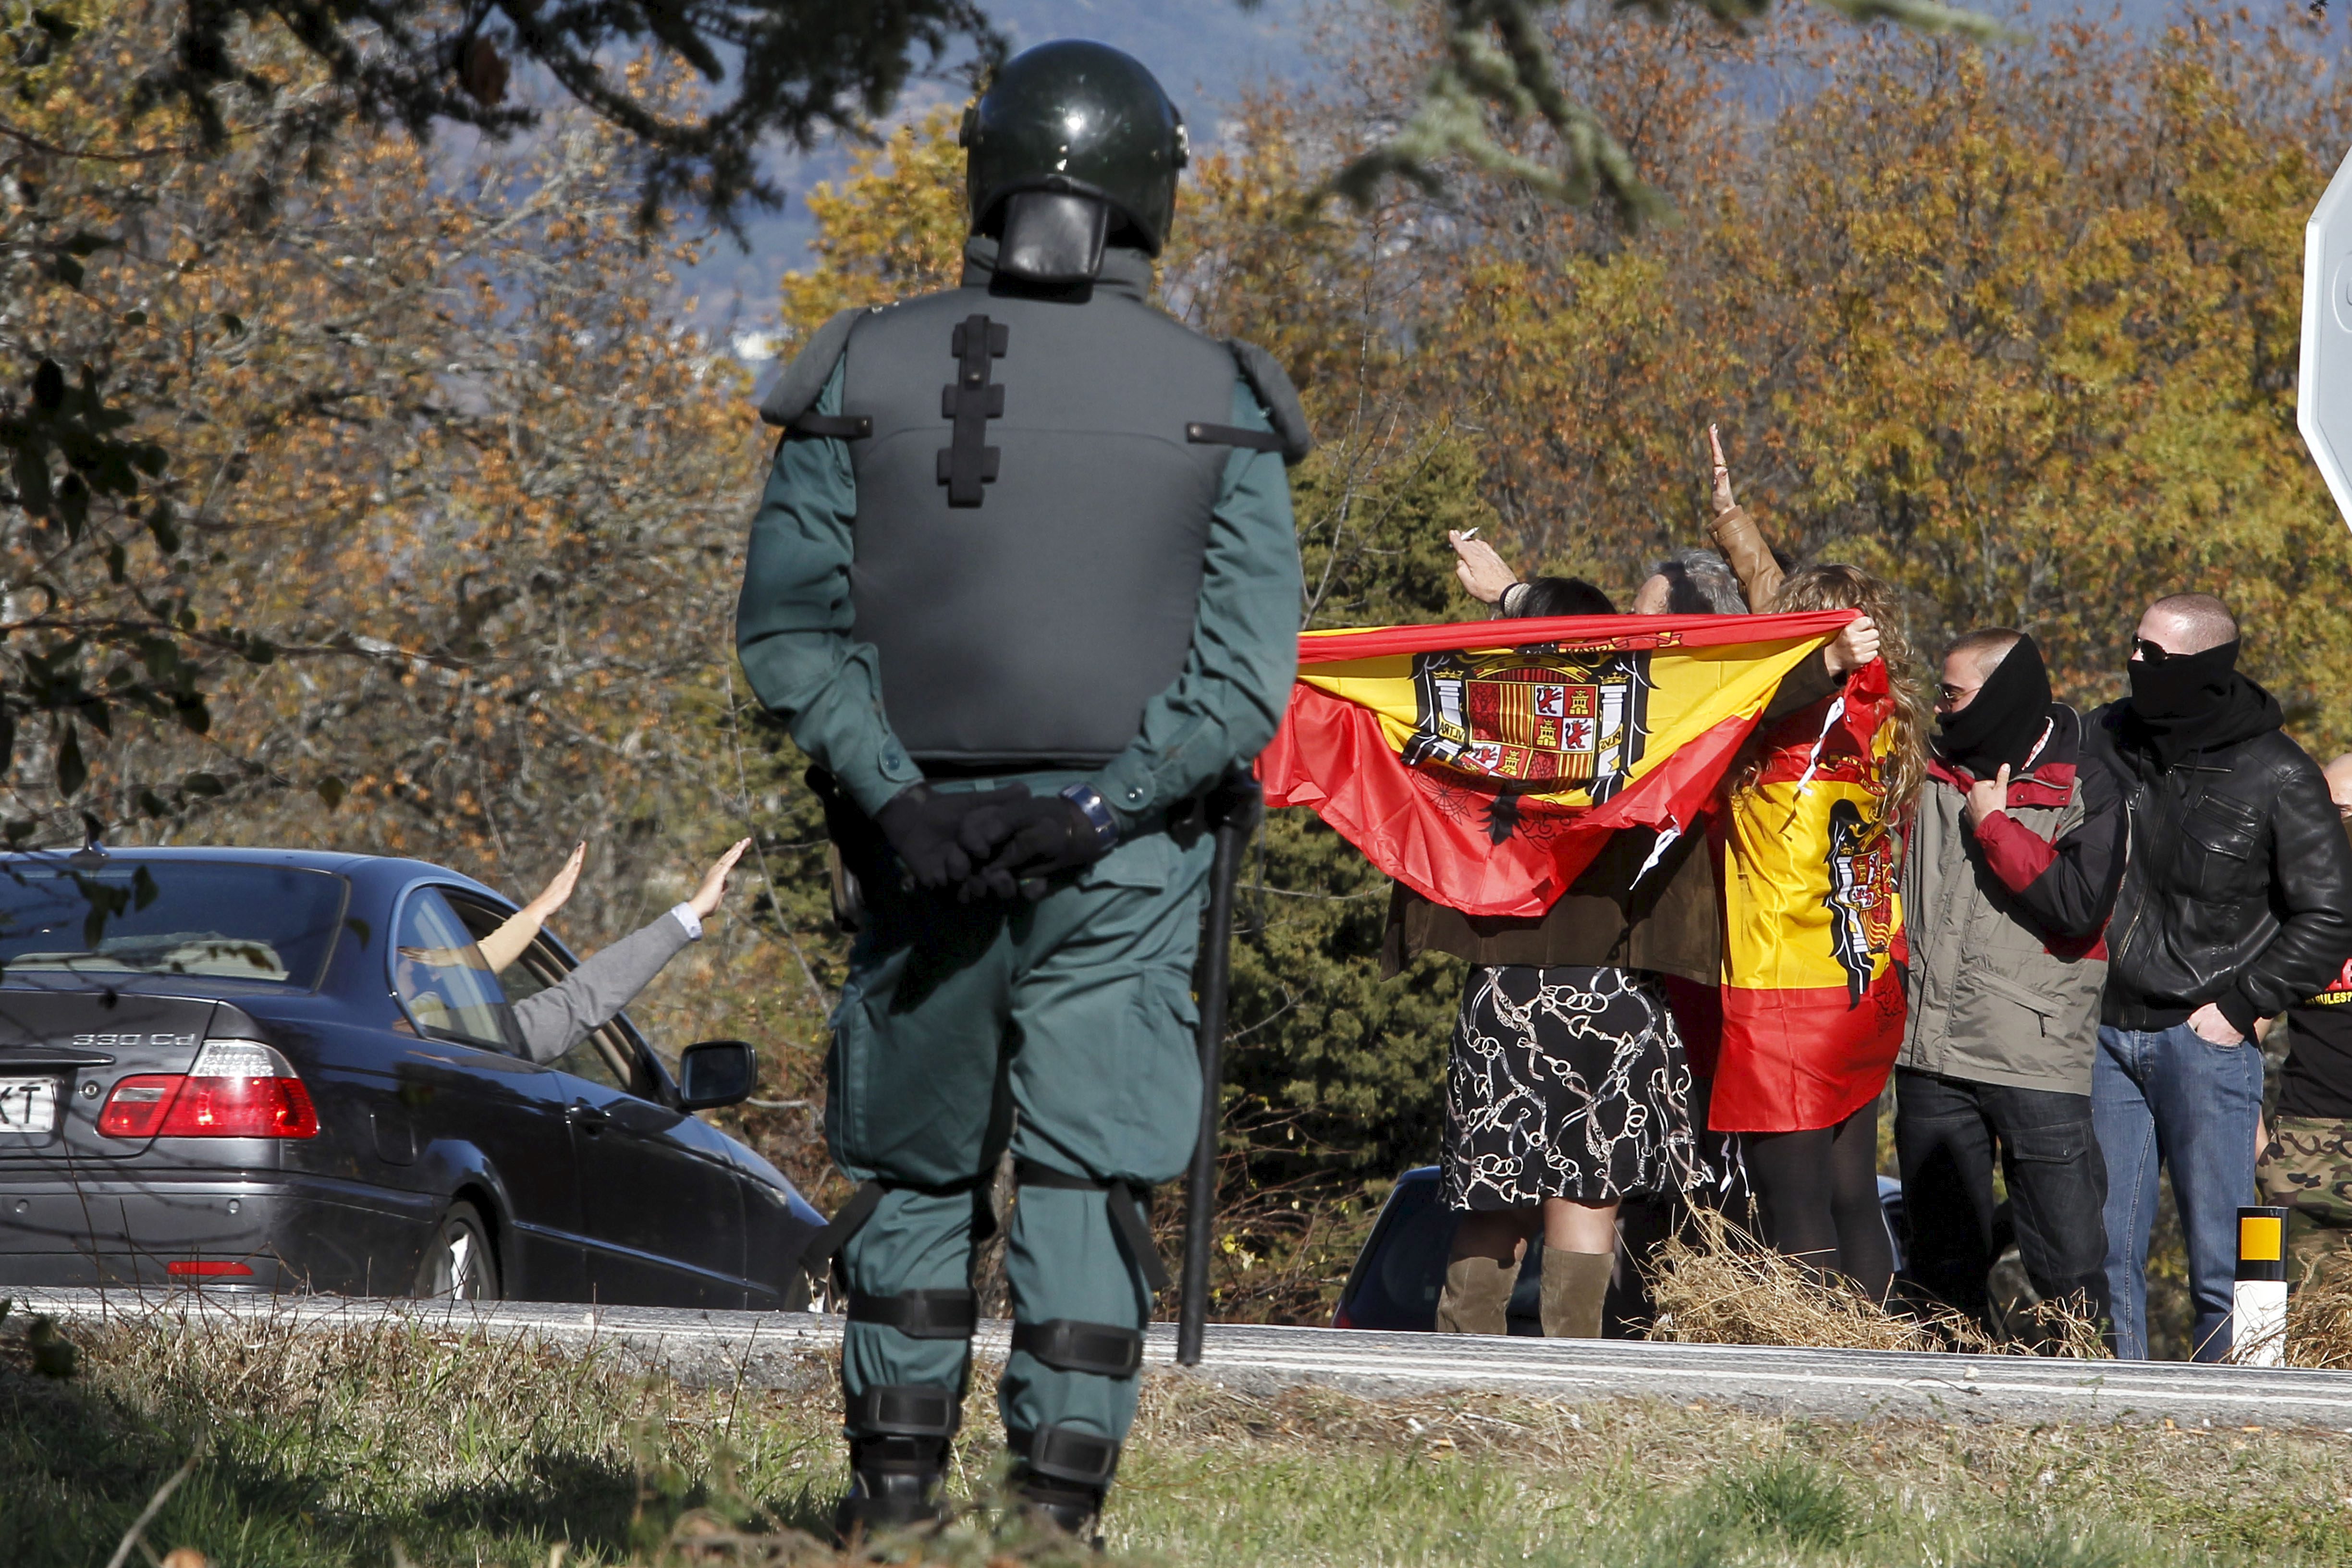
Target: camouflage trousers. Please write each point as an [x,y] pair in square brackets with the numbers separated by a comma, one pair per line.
[2306,1169]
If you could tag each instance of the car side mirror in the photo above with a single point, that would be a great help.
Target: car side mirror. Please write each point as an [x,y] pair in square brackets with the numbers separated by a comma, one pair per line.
[711,1073]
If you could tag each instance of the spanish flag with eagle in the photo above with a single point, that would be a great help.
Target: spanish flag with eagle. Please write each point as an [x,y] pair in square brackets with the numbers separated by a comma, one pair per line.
[1486,764]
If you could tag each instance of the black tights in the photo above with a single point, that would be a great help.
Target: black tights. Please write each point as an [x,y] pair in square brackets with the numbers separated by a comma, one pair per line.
[1817,1196]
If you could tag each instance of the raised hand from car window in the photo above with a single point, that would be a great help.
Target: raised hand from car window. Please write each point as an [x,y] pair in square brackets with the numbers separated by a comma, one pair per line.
[506,944]
[713,890]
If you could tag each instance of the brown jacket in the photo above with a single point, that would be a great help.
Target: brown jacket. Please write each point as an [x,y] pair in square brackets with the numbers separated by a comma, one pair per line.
[1742,543]
[1669,922]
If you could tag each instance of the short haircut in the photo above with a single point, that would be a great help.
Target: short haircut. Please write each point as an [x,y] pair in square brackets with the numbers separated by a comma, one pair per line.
[2204,621]
[1699,583]
[1987,645]
[1548,596]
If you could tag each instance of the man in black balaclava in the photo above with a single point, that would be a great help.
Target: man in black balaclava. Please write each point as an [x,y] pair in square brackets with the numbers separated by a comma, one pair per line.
[2010,871]
[2237,904]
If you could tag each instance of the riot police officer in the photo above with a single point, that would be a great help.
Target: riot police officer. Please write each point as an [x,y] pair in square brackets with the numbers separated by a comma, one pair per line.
[1025,585]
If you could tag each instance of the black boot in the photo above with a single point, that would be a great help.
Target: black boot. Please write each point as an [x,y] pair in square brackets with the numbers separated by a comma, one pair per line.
[1061,1477]
[897,1461]
[894,1482]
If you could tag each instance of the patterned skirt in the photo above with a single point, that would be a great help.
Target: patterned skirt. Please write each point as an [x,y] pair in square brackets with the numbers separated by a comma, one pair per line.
[1565,1083]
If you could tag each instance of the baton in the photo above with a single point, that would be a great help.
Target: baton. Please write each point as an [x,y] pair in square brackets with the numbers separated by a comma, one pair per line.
[1233,810]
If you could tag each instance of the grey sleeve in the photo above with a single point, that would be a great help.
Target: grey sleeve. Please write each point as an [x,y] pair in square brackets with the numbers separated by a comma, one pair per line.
[560,1016]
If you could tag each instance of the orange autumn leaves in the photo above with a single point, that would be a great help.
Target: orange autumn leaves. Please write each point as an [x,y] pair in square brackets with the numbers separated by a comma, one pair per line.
[440,438]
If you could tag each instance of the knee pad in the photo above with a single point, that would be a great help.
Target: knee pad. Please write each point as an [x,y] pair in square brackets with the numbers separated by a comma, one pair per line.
[1067,1344]
[903,1410]
[919,1314]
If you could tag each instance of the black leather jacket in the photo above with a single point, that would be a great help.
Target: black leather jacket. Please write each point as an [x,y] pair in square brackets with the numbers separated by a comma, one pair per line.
[2239,889]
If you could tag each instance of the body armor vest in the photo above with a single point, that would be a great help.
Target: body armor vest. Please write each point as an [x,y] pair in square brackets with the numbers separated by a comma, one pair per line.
[1034,483]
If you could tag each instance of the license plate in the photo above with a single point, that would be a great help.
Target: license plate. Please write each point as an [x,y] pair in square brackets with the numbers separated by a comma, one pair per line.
[28,1105]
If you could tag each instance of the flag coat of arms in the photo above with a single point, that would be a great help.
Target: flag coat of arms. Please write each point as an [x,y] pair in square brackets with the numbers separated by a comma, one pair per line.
[1813,999]
[1484,765]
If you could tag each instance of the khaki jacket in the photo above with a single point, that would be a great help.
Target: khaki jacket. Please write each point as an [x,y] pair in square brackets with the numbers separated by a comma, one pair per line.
[2006,922]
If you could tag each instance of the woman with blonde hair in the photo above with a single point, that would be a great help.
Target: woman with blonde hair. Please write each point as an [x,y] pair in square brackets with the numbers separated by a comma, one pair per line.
[1812,842]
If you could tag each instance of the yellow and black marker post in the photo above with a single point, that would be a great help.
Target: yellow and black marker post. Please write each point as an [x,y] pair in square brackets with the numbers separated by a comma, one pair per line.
[2258,1318]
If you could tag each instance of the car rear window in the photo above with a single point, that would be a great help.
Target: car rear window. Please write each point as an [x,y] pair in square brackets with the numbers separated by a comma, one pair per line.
[206,919]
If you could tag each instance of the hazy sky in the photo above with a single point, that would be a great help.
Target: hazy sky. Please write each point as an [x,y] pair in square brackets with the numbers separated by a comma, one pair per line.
[1201,50]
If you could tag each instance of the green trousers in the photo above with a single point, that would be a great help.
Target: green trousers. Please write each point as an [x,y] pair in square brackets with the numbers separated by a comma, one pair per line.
[1064,1027]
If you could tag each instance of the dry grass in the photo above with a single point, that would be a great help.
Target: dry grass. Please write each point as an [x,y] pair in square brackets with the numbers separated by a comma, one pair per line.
[1718,1285]
[372,1449]
[2319,1321]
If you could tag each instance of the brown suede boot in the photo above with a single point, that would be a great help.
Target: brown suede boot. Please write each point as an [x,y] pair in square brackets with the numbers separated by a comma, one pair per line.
[1575,1284]
[1477,1297]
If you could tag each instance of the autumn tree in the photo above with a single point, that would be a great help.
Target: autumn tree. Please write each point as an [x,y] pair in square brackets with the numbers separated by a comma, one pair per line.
[122,115]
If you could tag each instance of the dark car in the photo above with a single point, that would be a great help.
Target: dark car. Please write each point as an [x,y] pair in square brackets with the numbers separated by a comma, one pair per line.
[1398,1275]
[282,1072]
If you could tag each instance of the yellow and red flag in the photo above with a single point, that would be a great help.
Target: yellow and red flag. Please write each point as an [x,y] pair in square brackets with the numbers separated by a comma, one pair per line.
[1486,764]
[1812,1002]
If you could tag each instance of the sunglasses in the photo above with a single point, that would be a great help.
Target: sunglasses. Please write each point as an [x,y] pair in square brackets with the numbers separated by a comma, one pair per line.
[2148,653]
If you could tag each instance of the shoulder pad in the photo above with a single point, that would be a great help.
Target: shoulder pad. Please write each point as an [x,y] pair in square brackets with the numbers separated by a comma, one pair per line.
[795,391]
[1281,399]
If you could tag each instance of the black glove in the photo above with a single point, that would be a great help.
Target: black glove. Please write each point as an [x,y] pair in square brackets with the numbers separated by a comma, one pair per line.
[1018,843]
[921,826]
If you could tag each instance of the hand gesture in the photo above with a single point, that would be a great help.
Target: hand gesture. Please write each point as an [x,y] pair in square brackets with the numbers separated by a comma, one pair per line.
[707,897]
[1987,796]
[557,892]
[1723,501]
[1482,575]
[1856,645]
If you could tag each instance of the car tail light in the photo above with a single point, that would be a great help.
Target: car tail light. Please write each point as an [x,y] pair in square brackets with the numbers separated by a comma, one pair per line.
[136,1107]
[236,1088]
[206,1269]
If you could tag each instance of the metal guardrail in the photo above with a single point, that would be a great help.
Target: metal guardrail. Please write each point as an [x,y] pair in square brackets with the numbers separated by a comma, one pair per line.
[789,1350]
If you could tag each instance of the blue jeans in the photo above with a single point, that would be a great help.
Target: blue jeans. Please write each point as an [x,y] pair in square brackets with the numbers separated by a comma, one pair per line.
[2171,1095]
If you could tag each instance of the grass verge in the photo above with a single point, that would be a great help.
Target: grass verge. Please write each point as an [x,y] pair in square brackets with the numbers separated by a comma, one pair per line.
[380,1447]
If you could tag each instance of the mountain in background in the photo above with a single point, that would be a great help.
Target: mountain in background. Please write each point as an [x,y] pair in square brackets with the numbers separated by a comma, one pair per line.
[1203,52]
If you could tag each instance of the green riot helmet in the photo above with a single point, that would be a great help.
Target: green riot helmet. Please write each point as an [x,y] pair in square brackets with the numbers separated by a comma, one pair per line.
[1074,118]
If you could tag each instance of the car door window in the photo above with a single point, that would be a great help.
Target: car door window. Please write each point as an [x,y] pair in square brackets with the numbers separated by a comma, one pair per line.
[441,978]
[591,1058]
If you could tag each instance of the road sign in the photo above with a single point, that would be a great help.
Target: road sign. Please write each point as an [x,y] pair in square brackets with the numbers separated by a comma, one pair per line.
[2323,391]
